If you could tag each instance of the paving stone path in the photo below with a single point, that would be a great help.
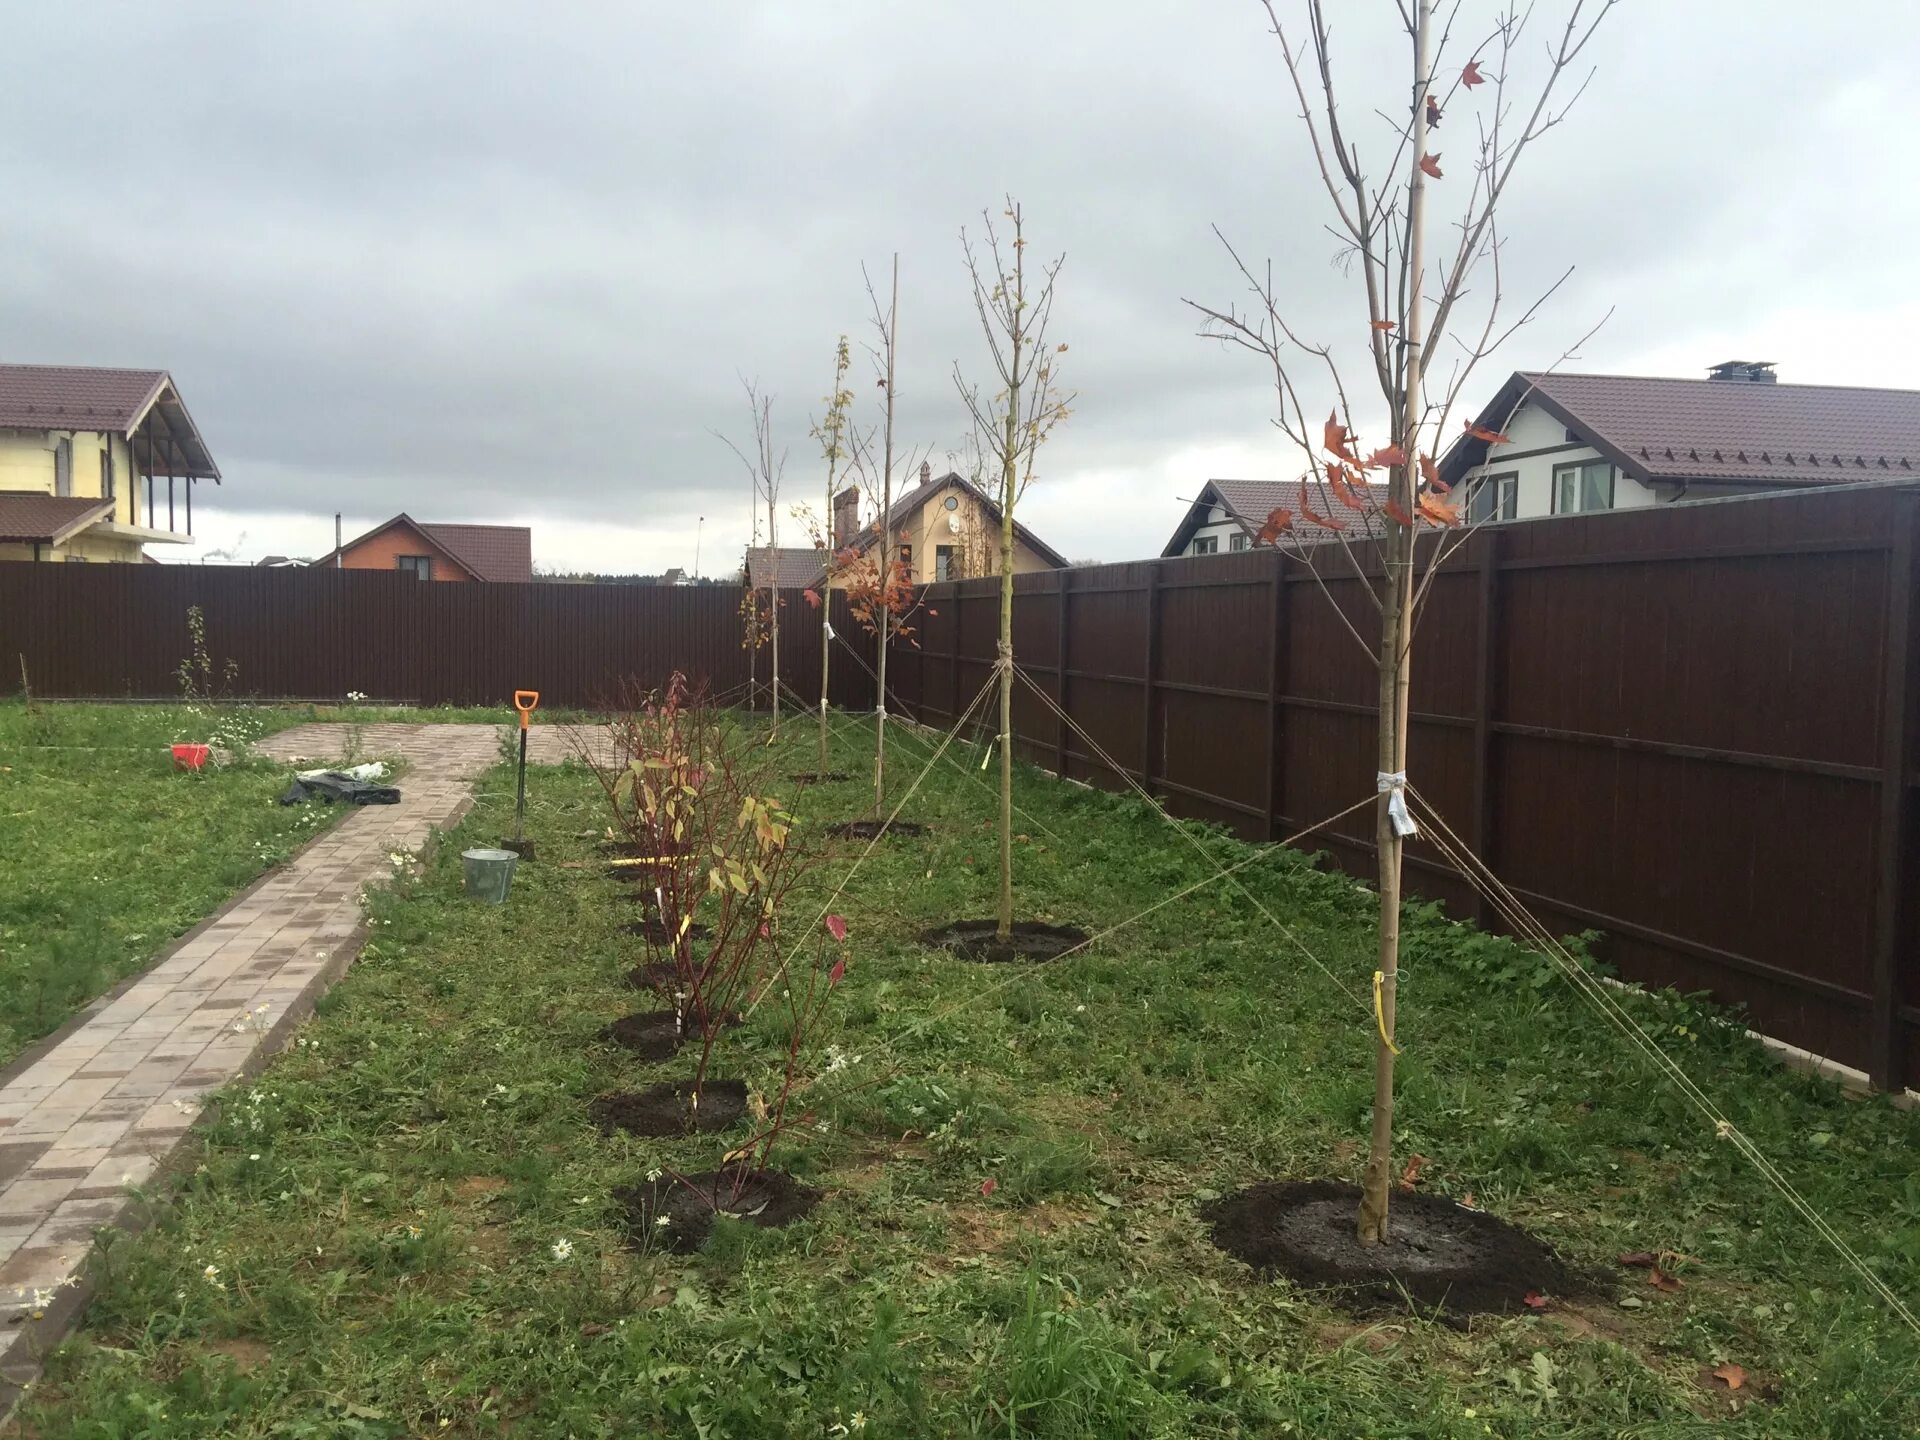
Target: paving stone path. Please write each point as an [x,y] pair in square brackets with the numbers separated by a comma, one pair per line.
[101,1104]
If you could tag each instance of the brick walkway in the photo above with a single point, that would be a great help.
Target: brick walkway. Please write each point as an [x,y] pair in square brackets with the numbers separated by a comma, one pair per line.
[101,1104]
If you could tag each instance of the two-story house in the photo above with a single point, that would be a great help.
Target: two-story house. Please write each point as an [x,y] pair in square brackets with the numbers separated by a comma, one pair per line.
[944,528]
[80,450]
[1577,443]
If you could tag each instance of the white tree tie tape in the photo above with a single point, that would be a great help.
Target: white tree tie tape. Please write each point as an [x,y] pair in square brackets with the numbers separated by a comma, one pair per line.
[1393,785]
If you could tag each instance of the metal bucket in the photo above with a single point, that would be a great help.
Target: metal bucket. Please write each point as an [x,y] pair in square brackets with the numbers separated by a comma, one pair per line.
[489,874]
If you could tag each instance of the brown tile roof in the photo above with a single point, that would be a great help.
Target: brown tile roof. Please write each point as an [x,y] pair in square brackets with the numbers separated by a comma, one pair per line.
[492,552]
[75,397]
[30,517]
[89,397]
[1673,431]
[1251,501]
[789,567]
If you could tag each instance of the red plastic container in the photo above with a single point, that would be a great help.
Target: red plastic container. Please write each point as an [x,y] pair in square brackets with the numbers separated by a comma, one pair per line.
[190,757]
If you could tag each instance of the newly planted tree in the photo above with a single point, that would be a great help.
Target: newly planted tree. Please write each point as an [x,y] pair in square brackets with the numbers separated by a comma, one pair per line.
[831,433]
[1015,307]
[1411,301]
[764,470]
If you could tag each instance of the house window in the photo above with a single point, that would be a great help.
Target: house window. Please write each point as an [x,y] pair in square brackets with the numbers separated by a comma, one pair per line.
[1493,497]
[418,566]
[63,467]
[943,562]
[1239,540]
[1204,545]
[953,502]
[1582,486]
[106,468]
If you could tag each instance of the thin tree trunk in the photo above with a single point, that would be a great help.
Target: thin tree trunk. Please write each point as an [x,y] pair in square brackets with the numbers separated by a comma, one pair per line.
[1009,483]
[885,543]
[773,596]
[1396,628]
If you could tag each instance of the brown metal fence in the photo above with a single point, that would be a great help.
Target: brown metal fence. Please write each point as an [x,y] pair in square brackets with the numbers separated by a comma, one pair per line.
[116,631]
[1691,728]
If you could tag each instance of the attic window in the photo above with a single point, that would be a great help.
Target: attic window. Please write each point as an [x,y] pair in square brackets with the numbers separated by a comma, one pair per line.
[953,502]
[1573,437]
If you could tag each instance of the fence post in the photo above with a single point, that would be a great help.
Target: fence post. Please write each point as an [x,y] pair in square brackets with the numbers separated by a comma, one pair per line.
[1486,684]
[1886,1064]
[953,666]
[1149,671]
[1061,596]
[1276,688]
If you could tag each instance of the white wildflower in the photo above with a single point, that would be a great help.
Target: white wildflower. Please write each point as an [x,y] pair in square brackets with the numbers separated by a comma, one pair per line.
[562,1248]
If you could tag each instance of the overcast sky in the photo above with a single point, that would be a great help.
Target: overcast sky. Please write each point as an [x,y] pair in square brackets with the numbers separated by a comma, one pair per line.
[499,262]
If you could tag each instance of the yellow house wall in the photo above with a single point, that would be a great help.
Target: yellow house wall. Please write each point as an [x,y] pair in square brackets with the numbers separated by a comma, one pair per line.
[26,463]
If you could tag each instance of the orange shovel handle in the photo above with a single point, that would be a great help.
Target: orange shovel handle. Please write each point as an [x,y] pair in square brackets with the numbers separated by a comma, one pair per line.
[526,702]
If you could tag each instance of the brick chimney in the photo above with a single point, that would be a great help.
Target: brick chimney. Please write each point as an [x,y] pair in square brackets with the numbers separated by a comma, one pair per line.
[926,472]
[846,517]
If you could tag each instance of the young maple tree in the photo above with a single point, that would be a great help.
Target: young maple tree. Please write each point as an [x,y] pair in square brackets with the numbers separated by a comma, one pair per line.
[1012,427]
[1380,219]
[764,470]
[830,432]
[879,589]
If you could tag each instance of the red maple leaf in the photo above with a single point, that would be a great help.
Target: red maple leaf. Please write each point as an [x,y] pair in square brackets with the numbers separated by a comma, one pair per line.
[1430,472]
[1470,75]
[1277,520]
[1307,512]
[1430,164]
[1397,515]
[1383,458]
[1338,440]
[1661,1280]
[988,1186]
[837,973]
[1433,112]
[1383,324]
[1438,511]
[1349,489]
[1534,1300]
[1730,1374]
[1492,437]
[837,927]
[811,598]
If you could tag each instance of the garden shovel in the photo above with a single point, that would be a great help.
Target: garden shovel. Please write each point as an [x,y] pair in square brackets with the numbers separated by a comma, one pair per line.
[526,702]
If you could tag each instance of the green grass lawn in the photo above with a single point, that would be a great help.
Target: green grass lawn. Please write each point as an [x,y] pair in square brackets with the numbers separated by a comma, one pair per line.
[109,852]
[404,1228]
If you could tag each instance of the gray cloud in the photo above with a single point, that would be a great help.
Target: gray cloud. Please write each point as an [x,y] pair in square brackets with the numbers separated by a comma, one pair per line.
[483,261]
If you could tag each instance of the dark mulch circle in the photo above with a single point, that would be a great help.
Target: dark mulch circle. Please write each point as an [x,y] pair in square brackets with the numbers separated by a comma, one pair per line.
[1030,943]
[661,977]
[659,932]
[1442,1255]
[819,777]
[688,1203]
[652,1034]
[871,829]
[669,1109]
[522,848]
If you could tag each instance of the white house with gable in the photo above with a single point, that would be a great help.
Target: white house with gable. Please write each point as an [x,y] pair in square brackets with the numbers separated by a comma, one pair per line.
[1578,443]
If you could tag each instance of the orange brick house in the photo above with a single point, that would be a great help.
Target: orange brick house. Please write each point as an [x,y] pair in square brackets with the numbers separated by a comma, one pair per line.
[439,552]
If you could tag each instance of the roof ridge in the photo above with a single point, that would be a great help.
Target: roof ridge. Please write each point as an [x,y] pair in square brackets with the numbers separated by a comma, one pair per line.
[1535,376]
